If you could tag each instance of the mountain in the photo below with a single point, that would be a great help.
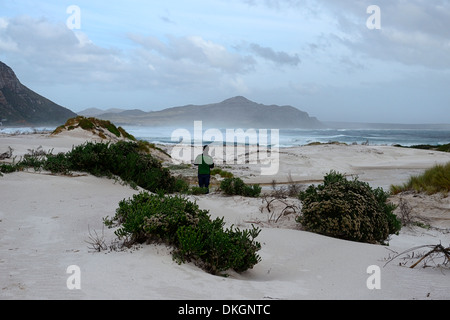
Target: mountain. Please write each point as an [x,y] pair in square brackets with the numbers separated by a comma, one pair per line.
[22,106]
[237,112]
[94,112]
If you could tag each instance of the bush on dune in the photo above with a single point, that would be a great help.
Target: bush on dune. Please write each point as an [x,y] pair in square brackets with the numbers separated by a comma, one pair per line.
[349,210]
[122,159]
[235,186]
[182,224]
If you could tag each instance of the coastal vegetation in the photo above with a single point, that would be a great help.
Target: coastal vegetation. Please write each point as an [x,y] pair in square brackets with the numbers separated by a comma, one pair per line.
[441,147]
[191,231]
[222,173]
[123,159]
[433,180]
[235,186]
[96,126]
[349,210]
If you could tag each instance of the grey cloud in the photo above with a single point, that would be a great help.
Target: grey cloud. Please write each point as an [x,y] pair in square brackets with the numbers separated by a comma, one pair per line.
[45,53]
[279,57]
[166,20]
[414,32]
[197,50]
[62,56]
[55,54]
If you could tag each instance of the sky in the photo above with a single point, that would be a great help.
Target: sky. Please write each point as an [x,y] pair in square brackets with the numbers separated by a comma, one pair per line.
[337,60]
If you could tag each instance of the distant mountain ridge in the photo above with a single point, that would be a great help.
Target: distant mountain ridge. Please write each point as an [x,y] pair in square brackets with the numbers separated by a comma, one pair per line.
[22,106]
[236,112]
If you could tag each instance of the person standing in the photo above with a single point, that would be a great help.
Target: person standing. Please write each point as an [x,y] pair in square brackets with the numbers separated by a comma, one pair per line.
[205,163]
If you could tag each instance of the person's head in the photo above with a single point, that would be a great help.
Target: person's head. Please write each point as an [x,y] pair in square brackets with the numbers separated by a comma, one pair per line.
[205,149]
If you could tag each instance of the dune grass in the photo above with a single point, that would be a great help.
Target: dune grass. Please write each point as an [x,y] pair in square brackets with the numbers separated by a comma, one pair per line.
[432,181]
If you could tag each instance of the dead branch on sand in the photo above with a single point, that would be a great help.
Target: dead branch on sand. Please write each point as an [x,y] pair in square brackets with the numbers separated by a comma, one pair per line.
[96,242]
[7,154]
[275,216]
[436,254]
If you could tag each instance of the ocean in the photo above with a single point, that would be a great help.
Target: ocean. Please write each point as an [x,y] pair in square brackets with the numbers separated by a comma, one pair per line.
[289,137]
[298,137]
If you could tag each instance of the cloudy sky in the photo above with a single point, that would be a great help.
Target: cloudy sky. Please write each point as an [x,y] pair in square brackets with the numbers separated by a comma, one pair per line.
[317,55]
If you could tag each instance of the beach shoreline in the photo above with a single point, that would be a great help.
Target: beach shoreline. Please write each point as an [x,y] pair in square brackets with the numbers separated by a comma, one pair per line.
[46,220]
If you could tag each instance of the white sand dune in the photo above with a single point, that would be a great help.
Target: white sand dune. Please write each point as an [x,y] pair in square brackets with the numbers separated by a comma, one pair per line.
[45,222]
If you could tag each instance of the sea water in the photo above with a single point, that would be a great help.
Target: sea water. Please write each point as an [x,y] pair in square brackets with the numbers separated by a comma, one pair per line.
[292,137]
[298,137]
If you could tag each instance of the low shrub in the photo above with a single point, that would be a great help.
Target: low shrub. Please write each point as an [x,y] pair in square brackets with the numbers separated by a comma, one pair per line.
[216,249]
[197,190]
[222,173]
[235,186]
[122,159]
[58,163]
[7,168]
[440,147]
[182,224]
[349,210]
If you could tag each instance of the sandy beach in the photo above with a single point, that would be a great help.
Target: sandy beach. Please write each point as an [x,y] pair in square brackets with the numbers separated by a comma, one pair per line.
[46,221]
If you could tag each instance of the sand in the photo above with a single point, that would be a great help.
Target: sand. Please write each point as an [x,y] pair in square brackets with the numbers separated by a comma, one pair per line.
[46,222]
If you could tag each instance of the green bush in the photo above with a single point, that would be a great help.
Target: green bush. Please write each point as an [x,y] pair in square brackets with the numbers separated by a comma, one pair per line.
[7,168]
[86,124]
[217,250]
[122,159]
[235,186]
[57,164]
[349,210]
[181,223]
[222,173]
[197,190]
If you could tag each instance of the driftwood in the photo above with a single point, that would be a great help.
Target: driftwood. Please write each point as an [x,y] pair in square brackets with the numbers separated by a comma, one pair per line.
[436,252]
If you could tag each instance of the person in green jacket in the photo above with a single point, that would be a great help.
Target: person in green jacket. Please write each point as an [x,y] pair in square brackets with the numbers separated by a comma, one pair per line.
[205,163]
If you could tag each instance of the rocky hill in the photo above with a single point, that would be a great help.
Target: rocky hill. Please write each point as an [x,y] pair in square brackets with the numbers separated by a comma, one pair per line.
[237,112]
[20,106]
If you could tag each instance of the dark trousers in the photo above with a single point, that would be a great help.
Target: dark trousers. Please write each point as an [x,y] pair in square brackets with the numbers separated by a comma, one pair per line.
[203,180]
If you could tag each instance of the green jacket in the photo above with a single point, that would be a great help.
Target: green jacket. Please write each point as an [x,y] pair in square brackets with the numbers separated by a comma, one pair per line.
[204,163]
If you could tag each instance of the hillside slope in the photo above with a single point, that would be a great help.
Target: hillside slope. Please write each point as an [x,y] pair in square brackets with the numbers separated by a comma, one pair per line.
[21,106]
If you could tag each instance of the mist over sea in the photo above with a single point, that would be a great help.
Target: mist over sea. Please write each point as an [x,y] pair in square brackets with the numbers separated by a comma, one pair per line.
[291,137]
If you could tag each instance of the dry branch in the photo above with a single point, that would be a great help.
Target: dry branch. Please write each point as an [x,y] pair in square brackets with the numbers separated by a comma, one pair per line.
[435,252]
